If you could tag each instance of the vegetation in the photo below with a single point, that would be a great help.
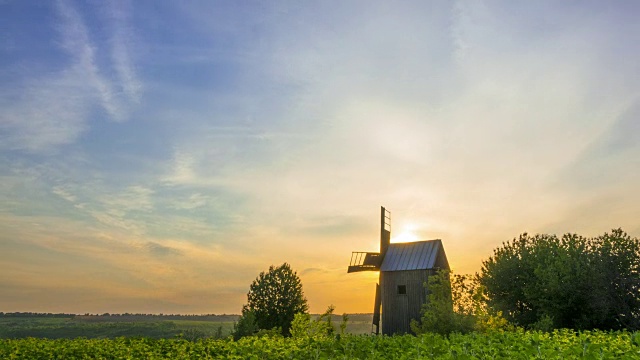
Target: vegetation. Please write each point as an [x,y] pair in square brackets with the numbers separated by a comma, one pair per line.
[539,282]
[274,298]
[445,311]
[546,282]
[303,327]
[563,344]
[81,326]
[456,304]
[73,326]
[106,317]
[246,325]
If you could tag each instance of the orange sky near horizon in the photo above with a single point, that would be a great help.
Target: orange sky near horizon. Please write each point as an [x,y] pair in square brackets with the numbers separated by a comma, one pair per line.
[156,157]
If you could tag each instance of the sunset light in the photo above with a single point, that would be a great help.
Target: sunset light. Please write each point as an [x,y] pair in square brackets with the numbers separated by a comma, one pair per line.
[406,234]
[156,156]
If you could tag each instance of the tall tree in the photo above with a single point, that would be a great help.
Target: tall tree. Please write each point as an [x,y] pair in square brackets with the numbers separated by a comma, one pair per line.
[275,297]
[618,264]
[572,281]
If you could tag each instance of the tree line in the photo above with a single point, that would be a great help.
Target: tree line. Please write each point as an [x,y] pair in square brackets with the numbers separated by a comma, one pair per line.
[539,282]
[542,282]
[123,316]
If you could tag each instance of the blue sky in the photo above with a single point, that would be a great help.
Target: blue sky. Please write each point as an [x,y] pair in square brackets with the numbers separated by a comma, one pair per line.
[156,156]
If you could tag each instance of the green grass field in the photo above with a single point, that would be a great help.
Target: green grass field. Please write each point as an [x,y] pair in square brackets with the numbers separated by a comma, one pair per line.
[564,344]
[101,327]
[68,328]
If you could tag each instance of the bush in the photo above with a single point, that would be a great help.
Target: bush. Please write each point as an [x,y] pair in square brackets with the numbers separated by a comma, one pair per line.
[457,304]
[544,281]
[445,310]
[246,325]
[303,327]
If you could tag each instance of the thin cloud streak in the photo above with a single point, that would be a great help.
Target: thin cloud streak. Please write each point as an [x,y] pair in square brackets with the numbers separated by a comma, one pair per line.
[75,39]
[49,112]
[121,43]
[42,113]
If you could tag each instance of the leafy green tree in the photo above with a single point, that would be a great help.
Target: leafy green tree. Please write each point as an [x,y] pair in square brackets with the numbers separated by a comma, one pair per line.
[545,281]
[449,305]
[616,256]
[303,327]
[457,303]
[275,297]
[344,323]
[246,324]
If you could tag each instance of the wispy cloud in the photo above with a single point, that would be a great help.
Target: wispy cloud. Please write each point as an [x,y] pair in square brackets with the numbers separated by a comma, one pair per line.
[64,193]
[42,112]
[161,250]
[121,44]
[49,112]
[133,198]
[463,121]
[118,209]
[181,169]
[76,41]
[110,265]
[193,201]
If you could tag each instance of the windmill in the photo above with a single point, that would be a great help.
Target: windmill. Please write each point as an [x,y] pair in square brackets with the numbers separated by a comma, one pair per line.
[404,269]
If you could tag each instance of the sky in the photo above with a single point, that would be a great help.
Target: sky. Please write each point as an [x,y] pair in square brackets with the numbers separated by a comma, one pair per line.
[156,156]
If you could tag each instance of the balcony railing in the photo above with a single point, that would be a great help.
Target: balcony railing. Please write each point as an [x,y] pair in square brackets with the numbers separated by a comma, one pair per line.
[364,261]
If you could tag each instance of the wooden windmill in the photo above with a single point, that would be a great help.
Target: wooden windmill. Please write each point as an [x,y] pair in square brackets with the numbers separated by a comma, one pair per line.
[404,269]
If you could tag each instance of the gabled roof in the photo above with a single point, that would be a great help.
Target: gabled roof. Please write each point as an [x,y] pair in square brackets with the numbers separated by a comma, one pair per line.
[419,255]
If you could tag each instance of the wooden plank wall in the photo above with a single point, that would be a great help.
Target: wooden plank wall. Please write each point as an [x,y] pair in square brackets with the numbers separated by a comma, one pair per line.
[398,310]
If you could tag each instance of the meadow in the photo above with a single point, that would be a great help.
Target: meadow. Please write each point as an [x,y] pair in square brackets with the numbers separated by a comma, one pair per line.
[208,337]
[73,327]
[149,326]
[562,344]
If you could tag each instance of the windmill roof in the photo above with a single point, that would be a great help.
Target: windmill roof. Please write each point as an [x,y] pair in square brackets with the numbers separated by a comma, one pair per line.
[419,255]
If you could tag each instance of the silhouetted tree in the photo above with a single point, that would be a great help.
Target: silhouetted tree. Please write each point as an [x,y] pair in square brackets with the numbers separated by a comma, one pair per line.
[275,297]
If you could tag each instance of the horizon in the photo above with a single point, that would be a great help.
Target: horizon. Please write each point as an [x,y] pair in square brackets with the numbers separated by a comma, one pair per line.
[29,313]
[156,157]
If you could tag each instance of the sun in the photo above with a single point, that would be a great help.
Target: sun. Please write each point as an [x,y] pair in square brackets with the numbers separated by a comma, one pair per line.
[407,234]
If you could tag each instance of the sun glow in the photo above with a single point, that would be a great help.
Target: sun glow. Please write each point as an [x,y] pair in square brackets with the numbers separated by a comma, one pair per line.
[407,234]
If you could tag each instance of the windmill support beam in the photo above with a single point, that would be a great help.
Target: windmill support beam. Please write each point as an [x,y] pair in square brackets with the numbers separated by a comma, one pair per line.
[376,311]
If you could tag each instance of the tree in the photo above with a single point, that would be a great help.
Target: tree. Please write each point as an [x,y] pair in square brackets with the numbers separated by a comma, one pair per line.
[246,324]
[275,297]
[303,327]
[437,311]
[544,281]
[454,304]
[617,260]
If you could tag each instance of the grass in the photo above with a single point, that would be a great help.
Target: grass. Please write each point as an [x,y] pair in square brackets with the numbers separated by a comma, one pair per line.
[98,327]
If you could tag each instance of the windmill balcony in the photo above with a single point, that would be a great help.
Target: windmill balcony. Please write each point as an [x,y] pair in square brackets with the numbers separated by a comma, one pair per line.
[364,261]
